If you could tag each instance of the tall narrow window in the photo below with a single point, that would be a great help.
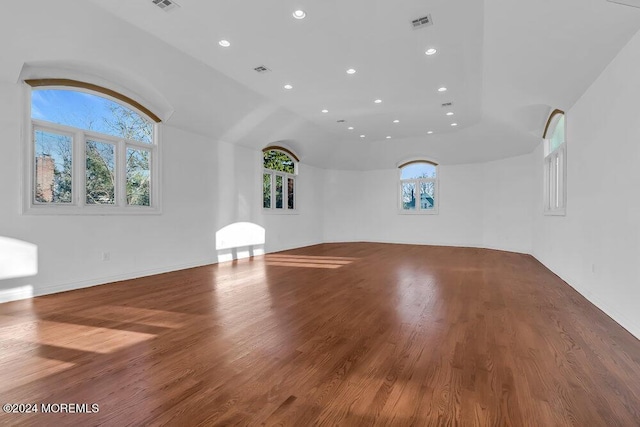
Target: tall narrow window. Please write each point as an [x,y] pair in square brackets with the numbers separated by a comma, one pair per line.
[93,150]
[418,187]
[278,180]
[555,161]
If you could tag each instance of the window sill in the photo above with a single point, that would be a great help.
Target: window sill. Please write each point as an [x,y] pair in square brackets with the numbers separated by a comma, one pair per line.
[280,211]
[90,210]
[559,212]
[422,212]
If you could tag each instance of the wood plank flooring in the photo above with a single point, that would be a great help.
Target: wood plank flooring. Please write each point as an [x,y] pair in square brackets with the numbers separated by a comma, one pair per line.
[338,334]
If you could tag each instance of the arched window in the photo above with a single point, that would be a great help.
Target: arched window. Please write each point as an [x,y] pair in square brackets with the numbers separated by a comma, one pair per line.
[555,161]
[92,150]
[279,179]
[419,187]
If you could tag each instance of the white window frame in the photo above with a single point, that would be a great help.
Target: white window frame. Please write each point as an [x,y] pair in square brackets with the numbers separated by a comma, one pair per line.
[555,169]
[417,182]
[79,137]
[285,187]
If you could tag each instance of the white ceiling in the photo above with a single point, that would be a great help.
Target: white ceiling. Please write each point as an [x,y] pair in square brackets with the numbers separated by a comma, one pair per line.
[505,63]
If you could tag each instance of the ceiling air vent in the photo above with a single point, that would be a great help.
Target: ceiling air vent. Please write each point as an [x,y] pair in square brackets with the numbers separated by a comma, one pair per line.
[632,3]
[165,5]
[261,69]
[340,121]
[422,22]
[447,104]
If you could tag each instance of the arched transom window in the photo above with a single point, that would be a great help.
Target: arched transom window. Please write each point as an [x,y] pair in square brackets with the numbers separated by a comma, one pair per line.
[92,150]
[280,167]
[419,187]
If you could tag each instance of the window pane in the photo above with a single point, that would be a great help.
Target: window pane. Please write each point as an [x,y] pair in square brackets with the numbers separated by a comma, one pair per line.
[138,177]
[427,195]
[290,193]
[552,182]
[53,165]
[418,170]
[266,190]
[549,183]
[279,161]
[100,160]
[90,112]
[278,192]
[408,195]
[557,137]
[561,186]
[557,183]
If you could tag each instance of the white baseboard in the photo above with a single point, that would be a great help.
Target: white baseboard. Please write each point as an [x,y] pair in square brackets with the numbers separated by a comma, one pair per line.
[436,243]
[631,326]
[16,293]
[23,292]
[28,291]
[281,248]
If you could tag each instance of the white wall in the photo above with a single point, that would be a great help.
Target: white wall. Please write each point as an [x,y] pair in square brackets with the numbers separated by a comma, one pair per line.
[596,247]
[344,215]
[508,193]
[481,205]
[306,227]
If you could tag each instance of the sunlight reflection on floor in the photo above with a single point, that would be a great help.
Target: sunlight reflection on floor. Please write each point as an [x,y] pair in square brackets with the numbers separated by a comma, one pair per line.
[307,261]
[77,337]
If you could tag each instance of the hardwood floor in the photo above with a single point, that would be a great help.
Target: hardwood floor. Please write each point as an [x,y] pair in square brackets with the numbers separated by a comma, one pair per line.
[335,334]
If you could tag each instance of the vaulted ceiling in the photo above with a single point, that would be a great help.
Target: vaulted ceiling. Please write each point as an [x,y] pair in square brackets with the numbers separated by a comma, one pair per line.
[505,64]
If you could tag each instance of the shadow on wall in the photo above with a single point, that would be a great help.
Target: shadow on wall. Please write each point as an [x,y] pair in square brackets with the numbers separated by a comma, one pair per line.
[17,259]
[239,240]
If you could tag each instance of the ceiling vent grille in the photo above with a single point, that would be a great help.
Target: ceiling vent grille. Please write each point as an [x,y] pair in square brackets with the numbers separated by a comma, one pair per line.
[165,5]
[422,22]
[447,104]
[261,69]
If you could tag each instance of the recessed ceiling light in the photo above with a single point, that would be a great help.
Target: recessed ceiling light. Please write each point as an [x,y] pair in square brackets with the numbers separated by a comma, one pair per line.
[378,101]
[288,87]
[430,132]
[351,71]
[454,124]
[388,137]
[325,111]
[299,14]
[350,128]
[224,43]
[430,51]
[396,121]
[450,113]
[442,89]
[361,136]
